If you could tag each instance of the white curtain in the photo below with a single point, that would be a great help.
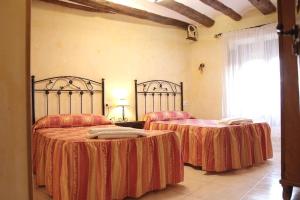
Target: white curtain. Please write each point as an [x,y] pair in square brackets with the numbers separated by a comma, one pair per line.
[252,76]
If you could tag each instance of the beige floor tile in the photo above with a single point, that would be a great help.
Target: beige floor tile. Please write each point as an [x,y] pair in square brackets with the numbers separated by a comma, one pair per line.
[167,194]
[263,194]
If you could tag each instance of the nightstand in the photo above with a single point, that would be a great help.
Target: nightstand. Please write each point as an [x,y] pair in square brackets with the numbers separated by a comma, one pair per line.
[132,124]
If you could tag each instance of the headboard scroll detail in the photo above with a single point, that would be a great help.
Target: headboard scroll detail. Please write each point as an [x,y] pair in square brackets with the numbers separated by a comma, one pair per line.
[160,88]
[68,85]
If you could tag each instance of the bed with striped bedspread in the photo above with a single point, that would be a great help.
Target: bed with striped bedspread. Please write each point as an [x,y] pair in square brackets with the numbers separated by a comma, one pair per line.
[72,167]
[216,147]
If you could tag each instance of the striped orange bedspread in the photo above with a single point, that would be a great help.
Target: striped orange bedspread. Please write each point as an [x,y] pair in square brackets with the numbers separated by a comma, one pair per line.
[73,167]
[217,147]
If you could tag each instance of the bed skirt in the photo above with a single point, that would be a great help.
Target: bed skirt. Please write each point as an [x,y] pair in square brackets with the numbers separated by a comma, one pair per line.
[218,149]
[73,168]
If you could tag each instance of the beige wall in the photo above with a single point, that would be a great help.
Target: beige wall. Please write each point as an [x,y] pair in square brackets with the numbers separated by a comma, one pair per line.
[14,107]
[205,96]
[66,41]
[72,42]
[205,88]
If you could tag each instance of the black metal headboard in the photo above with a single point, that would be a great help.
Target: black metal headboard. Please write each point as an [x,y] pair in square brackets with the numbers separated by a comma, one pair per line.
[160,88]
[66,85]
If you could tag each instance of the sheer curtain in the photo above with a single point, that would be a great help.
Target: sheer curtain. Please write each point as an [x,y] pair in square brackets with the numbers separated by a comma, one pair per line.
[252,76]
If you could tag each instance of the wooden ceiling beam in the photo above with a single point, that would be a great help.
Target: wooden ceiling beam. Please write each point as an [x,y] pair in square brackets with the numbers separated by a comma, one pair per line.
[264,6]
[217,5]
[75,6]
[94,4]
[187,11]
[134,12]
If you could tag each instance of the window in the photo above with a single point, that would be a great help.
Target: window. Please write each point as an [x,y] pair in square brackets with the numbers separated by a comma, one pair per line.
[252,76]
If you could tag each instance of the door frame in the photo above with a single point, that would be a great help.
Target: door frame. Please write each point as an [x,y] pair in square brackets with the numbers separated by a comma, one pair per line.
[28,97]
[290,117]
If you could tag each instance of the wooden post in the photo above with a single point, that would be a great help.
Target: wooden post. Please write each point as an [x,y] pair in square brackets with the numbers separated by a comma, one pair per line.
[290,119]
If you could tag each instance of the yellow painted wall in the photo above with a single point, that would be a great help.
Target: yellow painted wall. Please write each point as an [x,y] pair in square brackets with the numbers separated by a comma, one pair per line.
[205,95]
[14,107]
[121,49]
[71,42]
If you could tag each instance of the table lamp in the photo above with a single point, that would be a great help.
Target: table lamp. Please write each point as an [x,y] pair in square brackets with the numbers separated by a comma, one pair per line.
[122,103]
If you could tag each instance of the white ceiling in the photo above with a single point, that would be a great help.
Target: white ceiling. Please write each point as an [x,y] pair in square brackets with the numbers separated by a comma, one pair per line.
[240,6]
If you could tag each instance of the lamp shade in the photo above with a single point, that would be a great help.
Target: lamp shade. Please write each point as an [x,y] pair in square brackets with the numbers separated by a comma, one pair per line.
[122,102]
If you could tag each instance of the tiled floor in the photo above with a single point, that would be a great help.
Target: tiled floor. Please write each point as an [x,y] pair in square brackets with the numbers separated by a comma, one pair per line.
[256,183]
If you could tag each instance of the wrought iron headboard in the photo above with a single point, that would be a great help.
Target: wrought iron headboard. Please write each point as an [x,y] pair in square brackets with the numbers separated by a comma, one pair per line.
[160,88]
[66,85]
